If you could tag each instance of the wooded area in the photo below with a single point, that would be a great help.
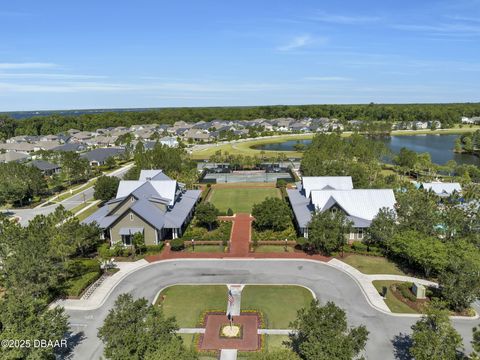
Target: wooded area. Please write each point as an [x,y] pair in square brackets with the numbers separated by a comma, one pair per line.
[448,114]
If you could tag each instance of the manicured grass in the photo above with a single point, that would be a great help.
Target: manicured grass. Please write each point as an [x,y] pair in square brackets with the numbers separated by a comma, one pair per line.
[187,302]
[275,342]
[278,303]
[392,302]
[245,147]
[272,249]
[240,199]
[206,249]
[187,340]
[372,264]
[88,212]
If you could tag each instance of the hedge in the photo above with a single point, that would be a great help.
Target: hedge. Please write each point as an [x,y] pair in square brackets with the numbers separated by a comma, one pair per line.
[76,286]
[79,267]
[268,235]
[221,233]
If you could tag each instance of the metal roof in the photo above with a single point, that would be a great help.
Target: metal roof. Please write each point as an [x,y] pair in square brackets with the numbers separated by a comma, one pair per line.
[360,203]
[441,188]
[301,206]
[310,183]
[175,217]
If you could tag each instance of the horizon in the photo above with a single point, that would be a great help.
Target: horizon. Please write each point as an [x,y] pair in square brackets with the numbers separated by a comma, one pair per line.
[175,55]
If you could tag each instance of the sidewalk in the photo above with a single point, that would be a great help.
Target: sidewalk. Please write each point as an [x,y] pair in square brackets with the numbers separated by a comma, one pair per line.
[97,298]
[365,282]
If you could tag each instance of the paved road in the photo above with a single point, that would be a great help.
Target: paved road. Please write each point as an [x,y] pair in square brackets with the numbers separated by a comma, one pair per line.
[28,214]
[327,283]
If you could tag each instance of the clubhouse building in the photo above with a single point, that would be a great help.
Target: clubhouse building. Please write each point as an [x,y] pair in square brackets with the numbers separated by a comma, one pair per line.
[154,205]
[336,193]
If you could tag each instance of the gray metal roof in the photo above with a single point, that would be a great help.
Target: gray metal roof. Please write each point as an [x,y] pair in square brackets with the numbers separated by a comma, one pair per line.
[176,216]
[44,165]
[149,212]
[101,218]
[102,154]
[301,207]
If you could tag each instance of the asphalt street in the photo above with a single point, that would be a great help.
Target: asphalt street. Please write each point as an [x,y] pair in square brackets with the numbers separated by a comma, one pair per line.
[387,337]
[28,214]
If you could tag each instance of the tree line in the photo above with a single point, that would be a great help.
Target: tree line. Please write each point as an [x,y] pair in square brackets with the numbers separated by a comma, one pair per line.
[448,114]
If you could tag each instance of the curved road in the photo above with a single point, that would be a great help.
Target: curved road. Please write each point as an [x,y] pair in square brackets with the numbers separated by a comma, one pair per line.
[325,281]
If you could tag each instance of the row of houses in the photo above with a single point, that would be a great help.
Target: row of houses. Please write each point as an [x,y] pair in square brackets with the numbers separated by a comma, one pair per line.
[475,120]
[360,206]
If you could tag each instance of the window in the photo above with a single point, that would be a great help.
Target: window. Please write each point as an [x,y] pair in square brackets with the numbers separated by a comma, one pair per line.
[127,240]
[360,233]
[131,217]
[132,199]
[352,236]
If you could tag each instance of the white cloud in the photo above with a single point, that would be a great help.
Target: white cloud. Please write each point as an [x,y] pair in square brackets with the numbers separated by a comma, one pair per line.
[301,41]
[327,78]
[26,65]
[48,76]
[344,19]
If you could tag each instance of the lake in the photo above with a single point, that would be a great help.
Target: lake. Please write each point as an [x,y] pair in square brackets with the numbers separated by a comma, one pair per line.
[440,147]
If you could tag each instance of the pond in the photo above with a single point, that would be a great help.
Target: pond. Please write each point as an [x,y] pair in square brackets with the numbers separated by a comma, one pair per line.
[440,147]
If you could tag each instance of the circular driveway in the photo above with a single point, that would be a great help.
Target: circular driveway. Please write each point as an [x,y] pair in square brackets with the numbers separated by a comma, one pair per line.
[328,284]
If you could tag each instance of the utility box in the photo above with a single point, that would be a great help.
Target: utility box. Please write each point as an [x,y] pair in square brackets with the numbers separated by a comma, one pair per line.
[419,291]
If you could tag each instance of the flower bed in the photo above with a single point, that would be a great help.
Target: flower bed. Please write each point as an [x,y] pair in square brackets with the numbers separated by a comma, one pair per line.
[236,331]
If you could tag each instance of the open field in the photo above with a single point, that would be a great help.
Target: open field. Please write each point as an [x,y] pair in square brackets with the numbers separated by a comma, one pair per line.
[372,264]
[244,147]
[240,199]
[187,302]
[278,303]
[392,302]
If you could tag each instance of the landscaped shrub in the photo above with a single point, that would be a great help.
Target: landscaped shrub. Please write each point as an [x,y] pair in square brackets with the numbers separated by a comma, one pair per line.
[222,232]
[152,249]
[405,290]
[358,247]
[229,212]
[75,286]
[78,267]
[177,245]
[269,235]
[126,252]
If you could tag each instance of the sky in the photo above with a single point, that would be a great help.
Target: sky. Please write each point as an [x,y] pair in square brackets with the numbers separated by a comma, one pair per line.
[144,53]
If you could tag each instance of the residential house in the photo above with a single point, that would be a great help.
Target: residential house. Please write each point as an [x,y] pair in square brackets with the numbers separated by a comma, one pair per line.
[336,193]
[442,189]
[13,156]
[76,147]
[97,157]
[47,168]
[81,136]
[169,141]
[197,135]
[155,205]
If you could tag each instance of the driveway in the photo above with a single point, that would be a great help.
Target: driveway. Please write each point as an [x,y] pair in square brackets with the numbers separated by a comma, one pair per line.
[328,283]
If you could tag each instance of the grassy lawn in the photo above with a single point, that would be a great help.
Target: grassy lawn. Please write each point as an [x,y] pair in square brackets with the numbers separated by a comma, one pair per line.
[392,302]
[240,199]
[245,147]
[188,302]
[372,264]
[272,249]
[88,212]
[279,303]
[206,249]
[275,342]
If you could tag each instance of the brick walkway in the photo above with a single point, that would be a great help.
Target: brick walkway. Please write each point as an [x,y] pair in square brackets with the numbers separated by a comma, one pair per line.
[239,246]
[211,340]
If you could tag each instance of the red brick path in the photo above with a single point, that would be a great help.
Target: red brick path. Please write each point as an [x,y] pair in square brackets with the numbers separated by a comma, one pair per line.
[211,340]
[239,246]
